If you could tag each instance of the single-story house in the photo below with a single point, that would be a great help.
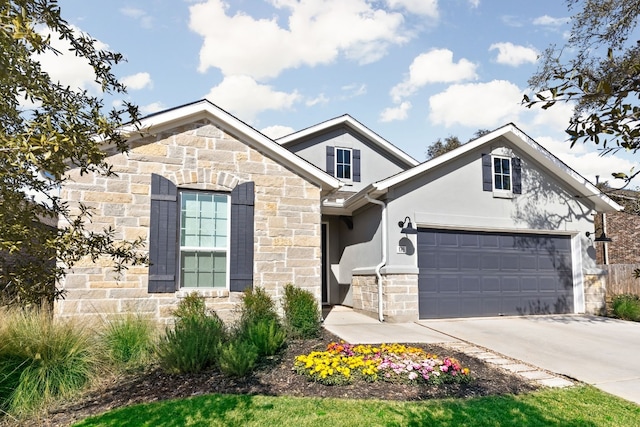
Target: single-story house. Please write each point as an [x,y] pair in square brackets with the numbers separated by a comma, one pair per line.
[496,227]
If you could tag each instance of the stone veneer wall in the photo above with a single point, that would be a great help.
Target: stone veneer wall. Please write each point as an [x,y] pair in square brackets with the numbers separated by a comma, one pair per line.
[202,156]
[400,296]
[595,290]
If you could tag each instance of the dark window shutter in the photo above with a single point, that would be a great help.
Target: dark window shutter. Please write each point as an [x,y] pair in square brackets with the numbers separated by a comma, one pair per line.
[356,165]
[163,232]
[516,168]
[331,161]
[241,239]
[487,178]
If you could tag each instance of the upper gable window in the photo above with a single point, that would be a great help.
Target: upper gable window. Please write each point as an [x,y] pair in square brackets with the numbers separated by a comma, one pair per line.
[502,173]
[343,163]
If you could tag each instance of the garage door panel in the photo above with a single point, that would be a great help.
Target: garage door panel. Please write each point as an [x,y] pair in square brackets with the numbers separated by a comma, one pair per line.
[470,284]
[469,261]
[465,274]
[528,262]
[510,284]
[491,261]
[448,260]
[489,241]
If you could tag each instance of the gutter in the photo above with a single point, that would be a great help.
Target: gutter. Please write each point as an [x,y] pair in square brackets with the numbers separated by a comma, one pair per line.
[383,261]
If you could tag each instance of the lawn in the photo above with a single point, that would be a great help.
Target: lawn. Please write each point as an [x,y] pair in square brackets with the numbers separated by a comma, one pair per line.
[582,406]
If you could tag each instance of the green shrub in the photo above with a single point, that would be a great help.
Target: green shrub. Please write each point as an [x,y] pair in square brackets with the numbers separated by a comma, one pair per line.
[192,305]
[267,336]
[256,306]
[237,357]
[191,345]
[129,340]
[42,359]
[626,306]
[301,312]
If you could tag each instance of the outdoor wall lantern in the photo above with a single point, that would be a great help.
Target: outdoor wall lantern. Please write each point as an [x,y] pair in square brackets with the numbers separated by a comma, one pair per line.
[601,238]
[407,227]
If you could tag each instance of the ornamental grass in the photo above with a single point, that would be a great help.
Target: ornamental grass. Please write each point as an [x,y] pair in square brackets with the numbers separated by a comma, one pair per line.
[344,363]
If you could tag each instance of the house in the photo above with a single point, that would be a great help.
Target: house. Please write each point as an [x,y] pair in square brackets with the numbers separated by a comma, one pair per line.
[496,227]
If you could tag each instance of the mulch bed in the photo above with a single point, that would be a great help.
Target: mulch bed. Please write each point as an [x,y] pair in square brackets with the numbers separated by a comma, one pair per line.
[276,378]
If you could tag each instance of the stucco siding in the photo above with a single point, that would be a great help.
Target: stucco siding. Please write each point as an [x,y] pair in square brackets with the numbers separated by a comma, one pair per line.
[451,196]
[375,164]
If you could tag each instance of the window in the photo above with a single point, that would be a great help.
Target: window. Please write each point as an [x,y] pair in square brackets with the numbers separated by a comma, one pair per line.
[343,163]
[204,243]
[502,173]
[165,236]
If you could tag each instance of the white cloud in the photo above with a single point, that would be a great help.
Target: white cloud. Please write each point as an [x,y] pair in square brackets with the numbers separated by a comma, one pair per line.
[556,117]
[244,97]
[549,21]
[261,48]
[474,3]
[400,112]
[419,7]
[514,55]
[435,66]
[67,68]
[320,99]
[586,160]
[512,21]
[354,90]
[154,107]
[137,81]
[277,131]
[145,20]
[480,105]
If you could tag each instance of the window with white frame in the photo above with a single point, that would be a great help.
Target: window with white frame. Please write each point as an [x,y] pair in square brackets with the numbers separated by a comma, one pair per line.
[343,163]
[204,239]
[502,173]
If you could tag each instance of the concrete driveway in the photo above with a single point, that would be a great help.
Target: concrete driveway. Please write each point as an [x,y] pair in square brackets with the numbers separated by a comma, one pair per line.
[595,350]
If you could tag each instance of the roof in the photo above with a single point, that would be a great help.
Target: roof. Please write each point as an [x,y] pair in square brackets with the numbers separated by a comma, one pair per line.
[205,109]
[354,125]
[582,187]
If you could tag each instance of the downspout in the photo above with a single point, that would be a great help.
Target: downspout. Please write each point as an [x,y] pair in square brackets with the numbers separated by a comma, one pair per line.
[383,261]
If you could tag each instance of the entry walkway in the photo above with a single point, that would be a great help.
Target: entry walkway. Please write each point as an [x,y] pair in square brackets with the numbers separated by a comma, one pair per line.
[357,328]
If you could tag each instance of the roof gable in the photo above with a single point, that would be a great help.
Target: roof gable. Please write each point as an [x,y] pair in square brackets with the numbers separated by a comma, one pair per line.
[582,187]
[205,109]
[347,121]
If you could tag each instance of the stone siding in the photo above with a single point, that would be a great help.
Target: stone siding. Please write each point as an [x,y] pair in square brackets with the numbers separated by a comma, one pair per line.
[197,156]
[399,296]
[595,291]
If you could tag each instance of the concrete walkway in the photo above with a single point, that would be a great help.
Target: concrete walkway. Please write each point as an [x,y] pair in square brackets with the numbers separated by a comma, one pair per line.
[357,328]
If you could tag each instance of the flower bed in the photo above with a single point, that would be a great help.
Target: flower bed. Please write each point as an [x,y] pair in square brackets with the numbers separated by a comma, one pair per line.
[344,363]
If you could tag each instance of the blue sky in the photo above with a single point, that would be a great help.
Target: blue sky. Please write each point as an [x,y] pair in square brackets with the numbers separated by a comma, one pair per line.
[412,71]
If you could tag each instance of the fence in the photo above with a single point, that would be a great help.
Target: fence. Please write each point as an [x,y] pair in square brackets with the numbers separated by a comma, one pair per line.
[620,279]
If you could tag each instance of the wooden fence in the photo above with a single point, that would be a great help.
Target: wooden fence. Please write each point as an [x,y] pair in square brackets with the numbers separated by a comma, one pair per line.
[620,279]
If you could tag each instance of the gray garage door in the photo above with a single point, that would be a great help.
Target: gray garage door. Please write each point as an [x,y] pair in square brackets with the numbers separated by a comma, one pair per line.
[467,274]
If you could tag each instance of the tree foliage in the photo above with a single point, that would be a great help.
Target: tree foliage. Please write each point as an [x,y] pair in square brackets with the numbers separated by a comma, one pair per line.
[451,142]
[440,147]
[599,70]
[47,128]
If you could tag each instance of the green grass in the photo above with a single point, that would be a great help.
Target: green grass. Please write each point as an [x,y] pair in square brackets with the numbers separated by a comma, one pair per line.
[41,360]
[626,307]
[573,407]
[129,340]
